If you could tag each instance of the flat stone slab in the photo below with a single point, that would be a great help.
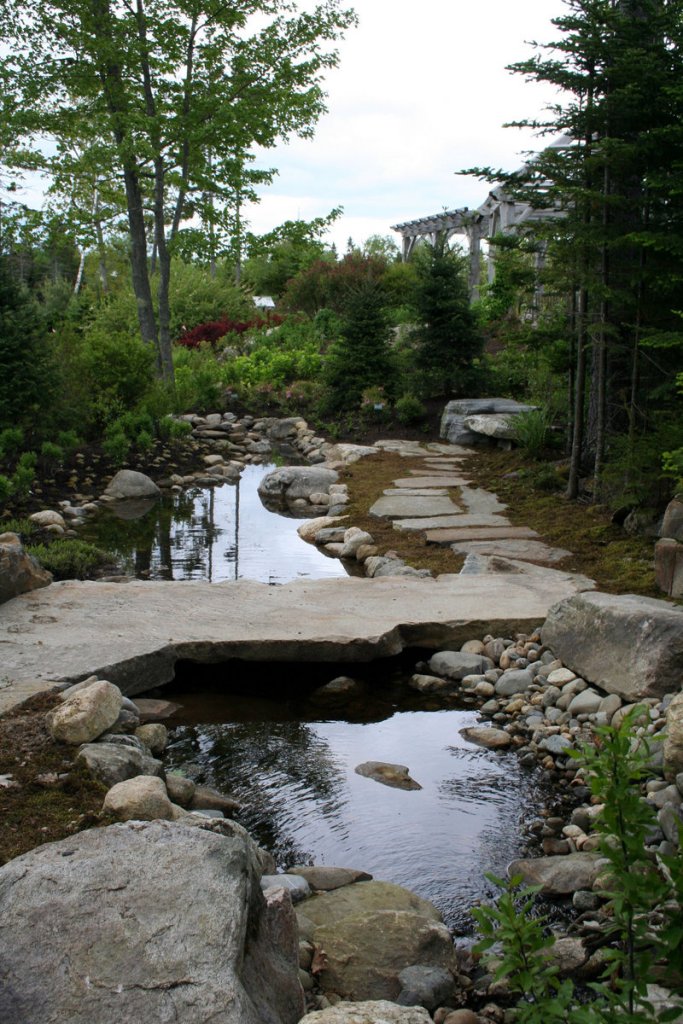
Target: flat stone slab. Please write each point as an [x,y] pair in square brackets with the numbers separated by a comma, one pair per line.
[492,564]
[132,634]
[442,522]
[457,534]
[413,505]
[422,480]
[534,551]
[481,502]
[416,492]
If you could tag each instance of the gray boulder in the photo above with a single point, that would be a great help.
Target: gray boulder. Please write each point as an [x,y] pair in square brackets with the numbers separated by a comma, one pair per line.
[458,664]
[625,644]
[673,742]
[453,427]
[672,524]
[559,876]
[424,985]
[143,798]
[19,572]
[394,775]
[491,425]
[129,484]
[280,488]
[145,922]
[113,762]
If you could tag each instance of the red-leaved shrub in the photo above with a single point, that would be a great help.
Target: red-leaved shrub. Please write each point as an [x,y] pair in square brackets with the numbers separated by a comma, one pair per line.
[213,330]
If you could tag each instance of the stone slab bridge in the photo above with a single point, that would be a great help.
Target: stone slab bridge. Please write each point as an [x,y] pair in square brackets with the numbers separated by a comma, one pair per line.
[133,633]
[499,214]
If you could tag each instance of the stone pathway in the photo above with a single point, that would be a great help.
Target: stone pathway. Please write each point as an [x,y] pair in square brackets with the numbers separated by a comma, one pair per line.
[471,522]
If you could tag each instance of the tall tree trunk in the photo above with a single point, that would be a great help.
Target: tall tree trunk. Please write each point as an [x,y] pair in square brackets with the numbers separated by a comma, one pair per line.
[579,397]
[165,357]
[115,95]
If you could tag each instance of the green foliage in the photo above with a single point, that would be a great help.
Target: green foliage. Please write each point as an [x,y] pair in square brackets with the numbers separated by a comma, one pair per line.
[277,357]
[636,887]
[24,474]
[22,527]
[120,366]
[525,959]
[51,453]
[6,488]
[68,440]
[70,559]
[361,358]
[197,297]
[533,431]
[199,380]
[447,341]
[409,409]
[172,429]
[11,440]
[26,365]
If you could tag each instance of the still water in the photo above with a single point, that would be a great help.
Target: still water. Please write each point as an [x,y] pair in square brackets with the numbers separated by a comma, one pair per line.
[215,534]
[291,763]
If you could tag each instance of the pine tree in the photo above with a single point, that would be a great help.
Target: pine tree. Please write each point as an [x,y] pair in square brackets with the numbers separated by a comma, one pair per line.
[447,341]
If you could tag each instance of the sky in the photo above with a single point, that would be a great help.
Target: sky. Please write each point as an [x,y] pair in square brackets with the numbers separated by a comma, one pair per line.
[421,92]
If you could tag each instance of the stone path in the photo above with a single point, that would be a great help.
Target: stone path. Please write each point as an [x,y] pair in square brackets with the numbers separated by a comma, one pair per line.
[473,525]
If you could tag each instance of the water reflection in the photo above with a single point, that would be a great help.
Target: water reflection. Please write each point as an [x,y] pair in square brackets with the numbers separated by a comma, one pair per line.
[212,533]
[293,770]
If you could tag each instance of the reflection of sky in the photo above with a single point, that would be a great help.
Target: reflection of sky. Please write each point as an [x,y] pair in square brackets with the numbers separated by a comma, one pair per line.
[224,542]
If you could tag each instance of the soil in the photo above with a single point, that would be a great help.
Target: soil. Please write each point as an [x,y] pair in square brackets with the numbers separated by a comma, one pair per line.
[49,797]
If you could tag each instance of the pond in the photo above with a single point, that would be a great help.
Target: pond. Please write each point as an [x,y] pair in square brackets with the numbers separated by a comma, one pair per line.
[290,761]
[213,533]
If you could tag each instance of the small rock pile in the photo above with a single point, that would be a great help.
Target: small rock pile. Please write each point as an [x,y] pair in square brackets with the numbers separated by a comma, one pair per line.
[122,751]
[350,542]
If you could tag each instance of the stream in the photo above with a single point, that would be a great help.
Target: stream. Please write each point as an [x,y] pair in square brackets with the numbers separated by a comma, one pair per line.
[258,732]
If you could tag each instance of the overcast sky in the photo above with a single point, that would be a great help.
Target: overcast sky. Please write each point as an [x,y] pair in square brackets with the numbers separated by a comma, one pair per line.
[421,92]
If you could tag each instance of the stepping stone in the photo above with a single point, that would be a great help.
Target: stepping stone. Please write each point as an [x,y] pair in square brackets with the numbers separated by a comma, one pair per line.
[445,480]
[523,550]
[416,492]
[481,502]
[413,505]
[442,522]
[487,565]
[448,449]
[451,535]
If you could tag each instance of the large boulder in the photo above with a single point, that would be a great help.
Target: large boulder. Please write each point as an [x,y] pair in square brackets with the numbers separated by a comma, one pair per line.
[492,425]
[145,922]
[453,427]
[19,572]
[370,933]
[280,488]
[625,644]
[672,524]
[86,714]
[129,484]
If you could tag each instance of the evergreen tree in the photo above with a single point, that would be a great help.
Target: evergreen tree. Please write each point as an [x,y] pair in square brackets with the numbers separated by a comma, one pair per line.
[25,361]
[361,359]
[616,176]
[447,341]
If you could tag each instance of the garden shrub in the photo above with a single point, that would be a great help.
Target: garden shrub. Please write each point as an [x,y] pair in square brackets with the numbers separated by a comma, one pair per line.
[532,431]
[70,559]
[409,409]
